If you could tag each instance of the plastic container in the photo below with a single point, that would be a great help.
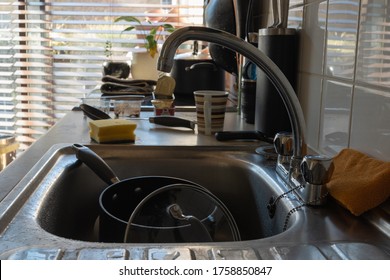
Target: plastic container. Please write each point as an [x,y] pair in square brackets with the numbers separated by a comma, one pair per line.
[163,107]
[127,108]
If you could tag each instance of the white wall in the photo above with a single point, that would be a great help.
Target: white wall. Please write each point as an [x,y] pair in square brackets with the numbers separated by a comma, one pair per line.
[344,74]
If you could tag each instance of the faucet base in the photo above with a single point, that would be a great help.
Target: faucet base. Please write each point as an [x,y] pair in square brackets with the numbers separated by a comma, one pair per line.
[313,195]
[308,194]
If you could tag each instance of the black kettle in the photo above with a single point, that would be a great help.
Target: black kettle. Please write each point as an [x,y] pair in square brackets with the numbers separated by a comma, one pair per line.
[238,17]
[195,71]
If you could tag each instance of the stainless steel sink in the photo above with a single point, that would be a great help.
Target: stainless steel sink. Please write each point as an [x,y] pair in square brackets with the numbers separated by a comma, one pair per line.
[69,209]
[52,212]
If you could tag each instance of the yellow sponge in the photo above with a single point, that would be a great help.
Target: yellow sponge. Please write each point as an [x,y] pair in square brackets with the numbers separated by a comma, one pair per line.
[112,130]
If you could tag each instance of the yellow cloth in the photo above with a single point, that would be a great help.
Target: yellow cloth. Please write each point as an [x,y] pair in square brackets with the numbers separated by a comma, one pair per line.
[359,182]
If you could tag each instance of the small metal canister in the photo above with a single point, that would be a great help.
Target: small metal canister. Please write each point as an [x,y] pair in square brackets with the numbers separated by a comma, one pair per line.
[8,147]
[248,100]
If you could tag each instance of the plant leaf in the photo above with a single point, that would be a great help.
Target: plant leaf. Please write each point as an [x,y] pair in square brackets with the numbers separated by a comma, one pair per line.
[128,28]
[153,51]
[151,42]
[168,27]
[128,18]
[153,31]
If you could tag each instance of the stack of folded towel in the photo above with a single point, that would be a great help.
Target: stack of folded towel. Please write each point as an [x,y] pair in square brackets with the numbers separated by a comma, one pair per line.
[359,182]
[116,86]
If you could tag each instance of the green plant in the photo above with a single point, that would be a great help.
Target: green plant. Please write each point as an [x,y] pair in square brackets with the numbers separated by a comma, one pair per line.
[152,34]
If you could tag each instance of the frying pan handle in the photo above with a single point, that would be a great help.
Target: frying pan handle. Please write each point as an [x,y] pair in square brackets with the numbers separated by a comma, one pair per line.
[202,65]
[242,135]
[96,163]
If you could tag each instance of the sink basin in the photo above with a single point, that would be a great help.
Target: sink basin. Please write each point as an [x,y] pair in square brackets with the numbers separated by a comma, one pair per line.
[70,207]
[52,212]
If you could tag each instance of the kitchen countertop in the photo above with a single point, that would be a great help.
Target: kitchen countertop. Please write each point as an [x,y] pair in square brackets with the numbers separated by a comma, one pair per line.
[329,232]
[73,128]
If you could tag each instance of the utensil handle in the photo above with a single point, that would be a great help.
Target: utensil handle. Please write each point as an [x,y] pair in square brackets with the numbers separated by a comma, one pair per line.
[202,65]
[93,113]
[172,122]
[242,135]
[197,225]
[96,163]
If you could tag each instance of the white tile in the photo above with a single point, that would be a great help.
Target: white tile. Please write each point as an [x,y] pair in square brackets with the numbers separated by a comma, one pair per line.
[335,117]
[310,99]
[365,124]
[295,17]
[342,26]
[370,129]
[374,43]
[296,2]
[312,38]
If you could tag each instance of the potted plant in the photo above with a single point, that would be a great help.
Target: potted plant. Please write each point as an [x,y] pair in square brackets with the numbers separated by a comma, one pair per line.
[116,69]
[143,64]
[151,34]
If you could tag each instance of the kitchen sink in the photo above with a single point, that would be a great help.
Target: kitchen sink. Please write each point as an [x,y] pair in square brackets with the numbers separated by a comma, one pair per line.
[53,212]
[70,207]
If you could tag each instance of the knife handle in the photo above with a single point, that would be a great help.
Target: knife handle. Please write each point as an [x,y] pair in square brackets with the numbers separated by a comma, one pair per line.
[235,135]
[172,122]
[242,135]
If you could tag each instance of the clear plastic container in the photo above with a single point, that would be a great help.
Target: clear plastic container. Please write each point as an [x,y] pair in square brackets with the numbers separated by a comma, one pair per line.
[102,104]
[127,108]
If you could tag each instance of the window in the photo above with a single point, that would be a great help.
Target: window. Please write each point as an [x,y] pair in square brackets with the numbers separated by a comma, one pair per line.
[51,53]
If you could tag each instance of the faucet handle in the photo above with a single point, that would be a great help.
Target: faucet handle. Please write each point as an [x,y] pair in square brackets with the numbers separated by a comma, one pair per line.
[317,169]
[283,143]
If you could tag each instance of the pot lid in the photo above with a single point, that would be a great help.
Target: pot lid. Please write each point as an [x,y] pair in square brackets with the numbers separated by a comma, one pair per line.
[152,211]
[153,216]
[195,54]
[192,56]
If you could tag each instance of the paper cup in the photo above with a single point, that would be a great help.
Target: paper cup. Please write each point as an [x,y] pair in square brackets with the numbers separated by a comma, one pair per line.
[210,110]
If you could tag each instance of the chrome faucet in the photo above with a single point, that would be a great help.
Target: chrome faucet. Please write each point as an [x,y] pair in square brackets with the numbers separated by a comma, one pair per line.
[293,178]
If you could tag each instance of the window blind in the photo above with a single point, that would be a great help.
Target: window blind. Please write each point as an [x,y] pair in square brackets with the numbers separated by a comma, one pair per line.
[51,53]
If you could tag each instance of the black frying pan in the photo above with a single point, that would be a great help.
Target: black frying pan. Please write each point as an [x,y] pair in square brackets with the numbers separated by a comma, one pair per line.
[121,197]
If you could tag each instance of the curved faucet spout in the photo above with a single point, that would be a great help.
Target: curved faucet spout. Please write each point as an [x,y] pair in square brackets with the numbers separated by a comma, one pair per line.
[262,61]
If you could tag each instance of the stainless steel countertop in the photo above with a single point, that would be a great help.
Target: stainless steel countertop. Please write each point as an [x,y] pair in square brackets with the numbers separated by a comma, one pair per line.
[73,128]
[333,233]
